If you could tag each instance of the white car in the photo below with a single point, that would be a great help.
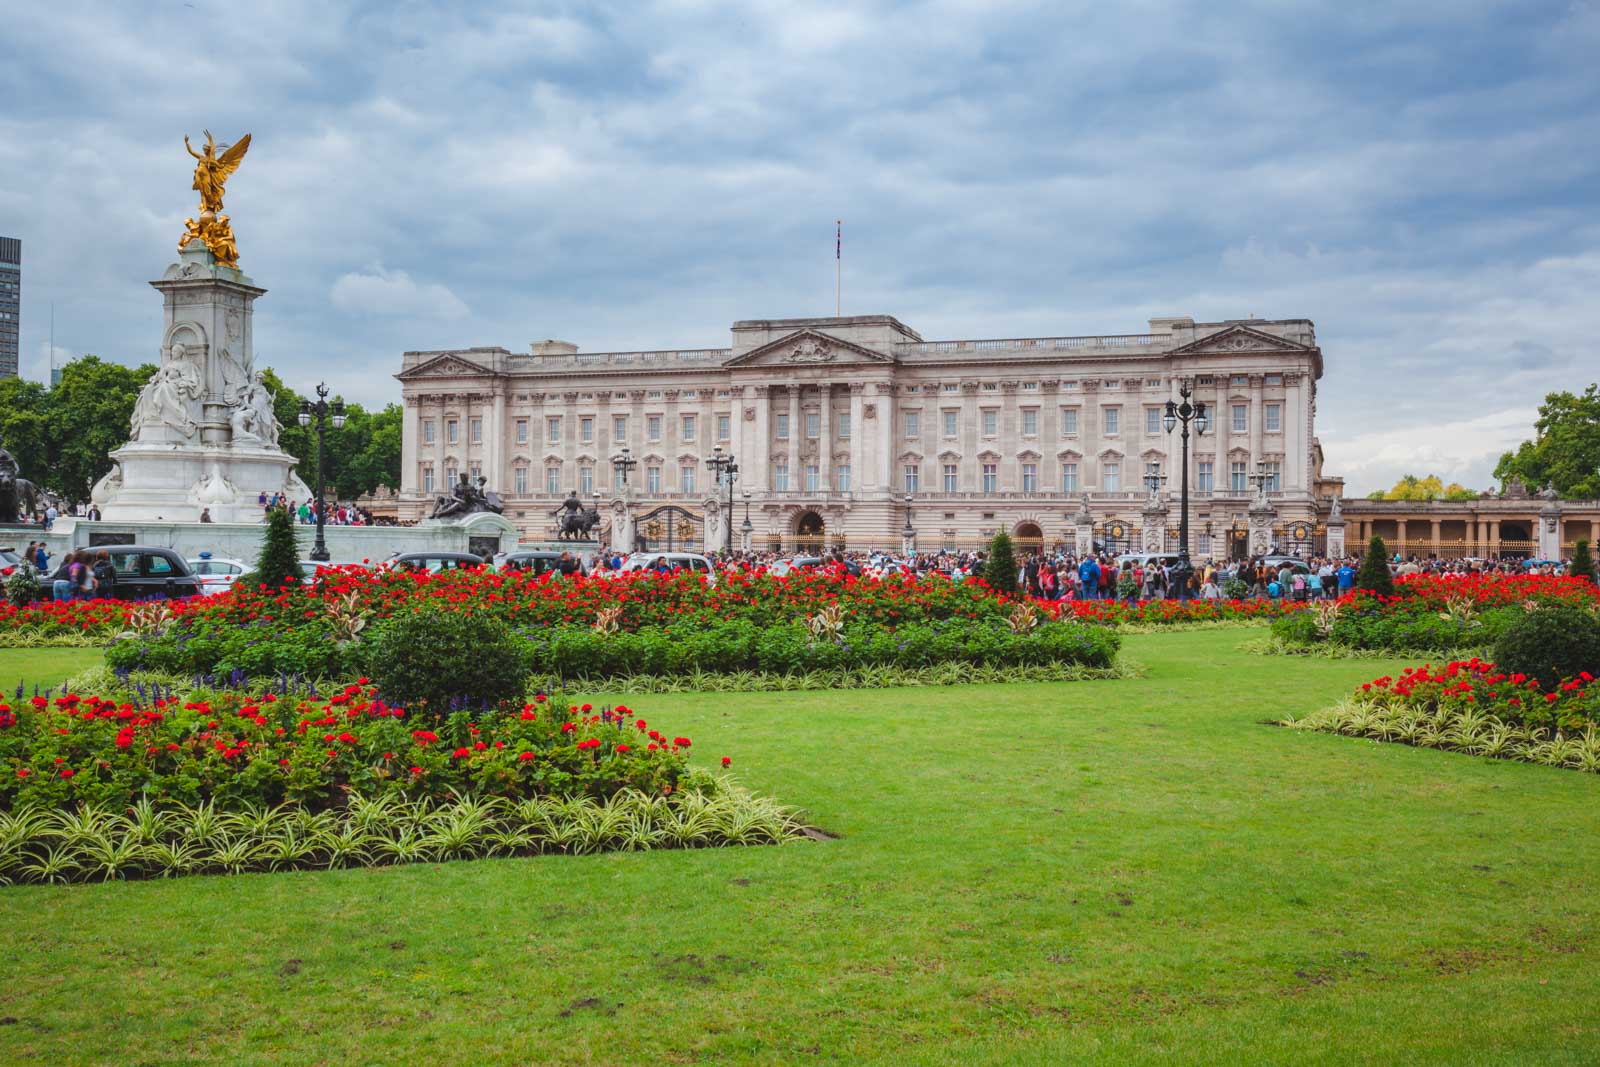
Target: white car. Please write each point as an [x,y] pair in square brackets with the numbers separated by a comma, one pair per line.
[649,561]
[216,575]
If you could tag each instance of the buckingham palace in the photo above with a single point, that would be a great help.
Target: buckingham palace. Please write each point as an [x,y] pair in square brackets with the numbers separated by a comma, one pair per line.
[856,432]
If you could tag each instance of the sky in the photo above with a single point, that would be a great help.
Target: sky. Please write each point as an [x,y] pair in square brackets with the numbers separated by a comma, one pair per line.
[1419,179]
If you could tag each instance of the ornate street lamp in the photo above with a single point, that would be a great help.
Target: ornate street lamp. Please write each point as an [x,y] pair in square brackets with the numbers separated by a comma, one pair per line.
[321,410]
[745,528]
[908,536]
[725,470]
[1181,412]
[1153,478]
[622,463]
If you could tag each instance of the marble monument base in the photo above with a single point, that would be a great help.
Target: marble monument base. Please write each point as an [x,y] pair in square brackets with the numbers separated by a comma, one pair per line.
[164,482]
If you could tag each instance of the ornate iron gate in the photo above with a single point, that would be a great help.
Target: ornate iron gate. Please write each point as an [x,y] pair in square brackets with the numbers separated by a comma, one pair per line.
[670,529]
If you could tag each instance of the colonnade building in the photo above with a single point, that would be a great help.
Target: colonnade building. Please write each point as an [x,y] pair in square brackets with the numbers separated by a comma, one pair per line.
[849,431]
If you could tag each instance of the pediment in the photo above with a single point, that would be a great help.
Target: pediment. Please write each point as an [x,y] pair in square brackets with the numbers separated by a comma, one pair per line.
[808,348]
[443,366]
[1236,338]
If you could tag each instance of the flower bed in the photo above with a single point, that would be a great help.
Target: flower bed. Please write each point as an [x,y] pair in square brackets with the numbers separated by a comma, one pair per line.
[1428,613]
[1470,706]
[1164,613]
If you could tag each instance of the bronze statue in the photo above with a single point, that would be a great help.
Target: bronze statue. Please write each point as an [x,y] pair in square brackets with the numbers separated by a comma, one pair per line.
[465,499]
[211,172]
[576,522]
[19,498]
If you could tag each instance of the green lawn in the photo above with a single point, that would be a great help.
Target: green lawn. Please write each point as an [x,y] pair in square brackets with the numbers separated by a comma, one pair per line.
[1117,871]
[45,667]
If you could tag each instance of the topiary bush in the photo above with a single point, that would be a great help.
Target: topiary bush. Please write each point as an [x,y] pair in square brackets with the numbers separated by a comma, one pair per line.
[1001,570]
[280,556]
[435,660]
[1552,643]
[1374,574]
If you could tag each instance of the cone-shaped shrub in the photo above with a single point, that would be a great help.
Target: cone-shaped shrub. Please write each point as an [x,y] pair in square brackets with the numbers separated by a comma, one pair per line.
[1374,573]
[1001,570]
[279,553]
[1582,561]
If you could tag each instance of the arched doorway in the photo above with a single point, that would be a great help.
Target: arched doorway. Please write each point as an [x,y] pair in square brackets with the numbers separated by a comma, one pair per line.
[810,532]
[1028,537]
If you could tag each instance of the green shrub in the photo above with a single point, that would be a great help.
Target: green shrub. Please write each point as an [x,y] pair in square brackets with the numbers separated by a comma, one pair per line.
[22,588]
[433,658]
[1552,643]
[280,556]
[1374,574]
[1582,561]
[1001,570]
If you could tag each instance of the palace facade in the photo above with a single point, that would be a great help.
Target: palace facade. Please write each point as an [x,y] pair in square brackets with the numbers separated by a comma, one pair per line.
[856,431]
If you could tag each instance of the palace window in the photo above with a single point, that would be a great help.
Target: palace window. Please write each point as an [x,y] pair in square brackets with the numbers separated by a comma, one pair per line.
[1241,418]
[991,422]
[427,431]
[951,387]
[813,477]
[813,424]
[780,477]
[652,479]
[1030,387]
[475,472]
[691,394]
[449,475]
[1111,476]
[1274,472]
[519,480]
[586,429]
[686,428]
[1239,379]
[1203,476]
[949,422]
[951,474]
[1030,477]
[991,477]
[1274,418]
[585,480]
[686,477]
[724,427]
[1069,422]
[782,432]
[1152,422]
[911,473]
[1069,477]
[452,431]
[1203,543]
[427,479]
[619,427]
[553,429]
[522,431]
[476,428]
[1030,422]
[1273,379]
[991,387]
[1238,478]
[843,476]
[913,424]
[843,420]
[654,394]
[1110,420]
[652,427]
[552,480]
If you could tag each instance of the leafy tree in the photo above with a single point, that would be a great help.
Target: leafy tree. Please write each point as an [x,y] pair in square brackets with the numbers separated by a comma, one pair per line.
[25,426]
[361,456]
[280,556]
[1565,450]
[89,413]
[1374,573]
[1001,570]
[1582,561]
[1432,487]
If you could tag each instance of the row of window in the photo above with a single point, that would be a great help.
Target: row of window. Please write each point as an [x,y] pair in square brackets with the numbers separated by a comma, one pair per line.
[810,478]
[1110,421]
[688,429]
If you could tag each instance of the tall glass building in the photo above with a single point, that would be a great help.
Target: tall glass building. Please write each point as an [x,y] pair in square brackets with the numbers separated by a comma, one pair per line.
[10,303]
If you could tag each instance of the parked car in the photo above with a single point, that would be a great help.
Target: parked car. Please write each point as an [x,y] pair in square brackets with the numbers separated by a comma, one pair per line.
[543,561]
[9,562]
[216,575]
[434,562]
[143,573]
[671,561]
[1144,559]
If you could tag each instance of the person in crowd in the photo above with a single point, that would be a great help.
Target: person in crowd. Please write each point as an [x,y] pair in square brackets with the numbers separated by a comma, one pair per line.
[41,559]
[304,513]
[105,576]
[205,514]
[1347,577]
[61,586]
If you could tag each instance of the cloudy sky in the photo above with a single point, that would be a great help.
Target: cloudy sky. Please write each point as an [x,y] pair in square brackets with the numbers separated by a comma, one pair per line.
[1420,179]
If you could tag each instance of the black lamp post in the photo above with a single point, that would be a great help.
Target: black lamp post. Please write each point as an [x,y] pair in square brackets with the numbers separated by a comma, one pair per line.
[725,469]
[746,528]
[909,534]
[622,463]
[1181,412]
[321,410]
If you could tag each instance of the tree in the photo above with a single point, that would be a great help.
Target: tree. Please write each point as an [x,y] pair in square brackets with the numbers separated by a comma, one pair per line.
[280,555]
[1565,450]
[1582,561]
[1374,574]
[361,456]
[1410,487]
[1001,570]
[25,426]
[89,414]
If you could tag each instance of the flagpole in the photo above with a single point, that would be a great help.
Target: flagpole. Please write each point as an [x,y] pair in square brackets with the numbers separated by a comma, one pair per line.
[838,248]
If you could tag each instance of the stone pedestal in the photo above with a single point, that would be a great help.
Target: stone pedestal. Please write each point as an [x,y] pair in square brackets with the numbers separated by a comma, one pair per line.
[1154,532]
[1550,530]
[202,435]
[1083,531]
[484,532]
[1262,516]
[622,522]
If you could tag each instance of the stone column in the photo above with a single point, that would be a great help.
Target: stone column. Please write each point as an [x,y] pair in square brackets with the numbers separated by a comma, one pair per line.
[1222,422]
[825,437]
[1089,434]
[885,433]
[439,435]
[758,478]
[1336,537]
[1494,539]
[797,439]
[858,430]
[1434,536]
[1256,390]
[1549,535]
[1594,536]
[672,445]
[1401,545]
[496,469]
[971,477]
[410,441]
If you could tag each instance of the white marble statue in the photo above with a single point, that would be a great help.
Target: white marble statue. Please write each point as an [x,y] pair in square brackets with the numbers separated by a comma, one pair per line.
[252,418]
[164,401]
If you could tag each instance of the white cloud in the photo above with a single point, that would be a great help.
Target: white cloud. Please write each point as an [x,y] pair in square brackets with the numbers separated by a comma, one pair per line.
[1457,450]
[393,292]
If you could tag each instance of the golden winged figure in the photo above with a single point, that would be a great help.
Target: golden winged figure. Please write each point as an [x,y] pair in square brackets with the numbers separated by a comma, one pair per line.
[211,170]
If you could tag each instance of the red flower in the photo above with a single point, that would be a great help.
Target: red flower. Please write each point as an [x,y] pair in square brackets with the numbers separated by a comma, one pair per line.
[726,762]
[461,753]
[67,772]
[23,772]
[524,757]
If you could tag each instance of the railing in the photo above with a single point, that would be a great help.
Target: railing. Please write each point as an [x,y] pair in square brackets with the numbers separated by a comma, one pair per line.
[1124,340]
[622,359]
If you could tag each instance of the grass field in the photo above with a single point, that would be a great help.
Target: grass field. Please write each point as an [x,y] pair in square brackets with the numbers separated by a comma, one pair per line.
[1121,871]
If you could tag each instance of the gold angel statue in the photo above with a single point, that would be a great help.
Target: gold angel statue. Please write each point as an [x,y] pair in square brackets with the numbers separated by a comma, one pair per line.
[211,170]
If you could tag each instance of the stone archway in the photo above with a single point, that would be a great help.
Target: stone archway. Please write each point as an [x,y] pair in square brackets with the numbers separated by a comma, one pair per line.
[810,532]
[1028,537]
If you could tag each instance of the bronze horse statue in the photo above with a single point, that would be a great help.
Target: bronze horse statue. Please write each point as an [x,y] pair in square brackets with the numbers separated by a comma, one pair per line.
[19,498]
[578,525]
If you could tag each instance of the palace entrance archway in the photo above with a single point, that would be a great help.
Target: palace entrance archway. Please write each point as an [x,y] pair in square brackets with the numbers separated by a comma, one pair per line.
[1028,537]
[810,532]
